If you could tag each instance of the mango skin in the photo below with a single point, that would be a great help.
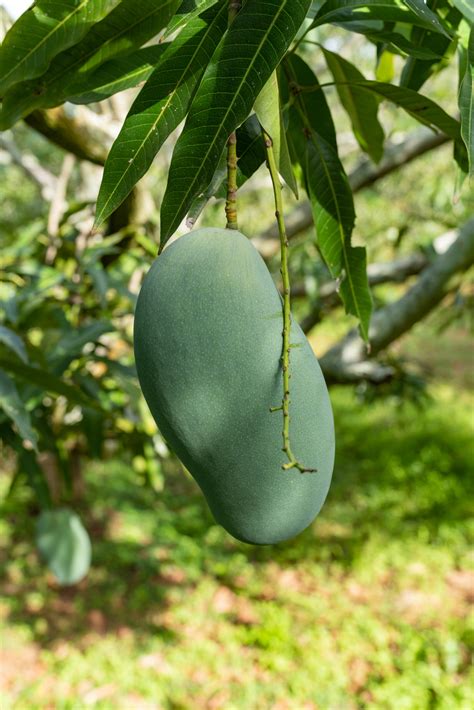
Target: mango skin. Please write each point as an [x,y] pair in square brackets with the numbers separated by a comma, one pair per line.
[208,345]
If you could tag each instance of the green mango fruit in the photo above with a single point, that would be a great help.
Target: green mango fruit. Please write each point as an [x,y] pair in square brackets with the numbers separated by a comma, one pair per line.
[208,346]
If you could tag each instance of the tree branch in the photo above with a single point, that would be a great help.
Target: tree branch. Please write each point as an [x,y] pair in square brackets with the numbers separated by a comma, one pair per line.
[365,174]
[31,166]
[347,361]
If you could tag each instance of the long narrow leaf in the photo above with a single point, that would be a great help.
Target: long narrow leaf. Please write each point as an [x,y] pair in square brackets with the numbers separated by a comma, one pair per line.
[336,11]
[244,60]
[466,103]
[466,7]
[47,28]
[116,75]
[362,109]
[160,107]
[421,10]
[130,25]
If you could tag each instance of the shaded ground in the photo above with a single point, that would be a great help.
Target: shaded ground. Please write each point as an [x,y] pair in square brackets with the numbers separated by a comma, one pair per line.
[367,608]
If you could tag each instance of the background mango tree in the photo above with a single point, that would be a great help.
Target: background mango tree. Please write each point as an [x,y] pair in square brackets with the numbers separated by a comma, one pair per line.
[109,82]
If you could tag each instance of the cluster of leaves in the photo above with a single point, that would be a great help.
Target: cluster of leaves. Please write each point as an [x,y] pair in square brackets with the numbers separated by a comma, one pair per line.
[211,72]
[67,379]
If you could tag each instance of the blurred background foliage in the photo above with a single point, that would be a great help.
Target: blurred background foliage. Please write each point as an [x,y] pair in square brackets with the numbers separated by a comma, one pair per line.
[369,607]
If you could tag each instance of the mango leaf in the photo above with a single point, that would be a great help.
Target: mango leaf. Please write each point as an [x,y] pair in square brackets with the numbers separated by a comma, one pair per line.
[248,53]
[336,11]
[47,28]
[116,75]
[13,342]
[362,109]
[131,24]
[268,111]
[421,10]
[329,192]
[64,544]
[159,108]
[47,382]
[188,10]
[417,69]
[15,409]
[466,103]
[377,32]
[466,8]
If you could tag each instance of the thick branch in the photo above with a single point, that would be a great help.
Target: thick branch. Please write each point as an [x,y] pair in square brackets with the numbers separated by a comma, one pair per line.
[348,361]
[365,174]
[79,134]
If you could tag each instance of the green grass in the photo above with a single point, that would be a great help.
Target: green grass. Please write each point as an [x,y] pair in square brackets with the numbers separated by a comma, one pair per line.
[367,608]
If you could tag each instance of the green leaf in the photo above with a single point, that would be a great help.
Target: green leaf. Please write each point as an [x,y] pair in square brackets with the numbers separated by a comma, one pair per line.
[47,28]
[466,103]
[64,544]
[116,75]
[14,408]
[362,109]
[337,11]
[188,10]
[268,111]
[421,10]
[131,24]
[328,189]
[48,382]
[420,107]
[248,53]
[14,342]
[466,8]
[159,108]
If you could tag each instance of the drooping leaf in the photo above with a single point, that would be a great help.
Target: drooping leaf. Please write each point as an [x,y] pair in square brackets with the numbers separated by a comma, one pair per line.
[44,30]
[14,408]
[64,544]
[328,188]
[421,10]
[268,111]
[397,42]
[466,103]
[362,109]
[131,24]
[336,11]
[159,108]
[417,69]
[248,53]
[116,75]
[47,382]
[14,342]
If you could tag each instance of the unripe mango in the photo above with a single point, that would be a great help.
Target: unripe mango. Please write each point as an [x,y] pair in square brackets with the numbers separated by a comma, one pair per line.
[208,346]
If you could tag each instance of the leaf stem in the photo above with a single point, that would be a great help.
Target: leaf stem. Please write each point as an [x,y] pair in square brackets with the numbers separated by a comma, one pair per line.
[285,358]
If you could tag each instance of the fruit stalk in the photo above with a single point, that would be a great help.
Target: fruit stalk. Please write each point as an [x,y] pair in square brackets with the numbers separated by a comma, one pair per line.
[285,275]
[231,199]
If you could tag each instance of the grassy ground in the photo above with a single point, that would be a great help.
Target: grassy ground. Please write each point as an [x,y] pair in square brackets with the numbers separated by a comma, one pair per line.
[366,609]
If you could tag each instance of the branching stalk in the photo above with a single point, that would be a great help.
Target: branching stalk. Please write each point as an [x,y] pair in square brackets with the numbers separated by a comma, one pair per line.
[285,358]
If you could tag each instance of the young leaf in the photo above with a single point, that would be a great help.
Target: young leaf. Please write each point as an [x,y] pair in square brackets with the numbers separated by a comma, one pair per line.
[131,24]
[15,409]
[64,544]
[362,109]
[116,75]
[268,111]
[466,103]
[159,108]
[248,53]
[47,28]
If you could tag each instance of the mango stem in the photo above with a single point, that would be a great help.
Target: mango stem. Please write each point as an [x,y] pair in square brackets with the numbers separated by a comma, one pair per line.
[285,275]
